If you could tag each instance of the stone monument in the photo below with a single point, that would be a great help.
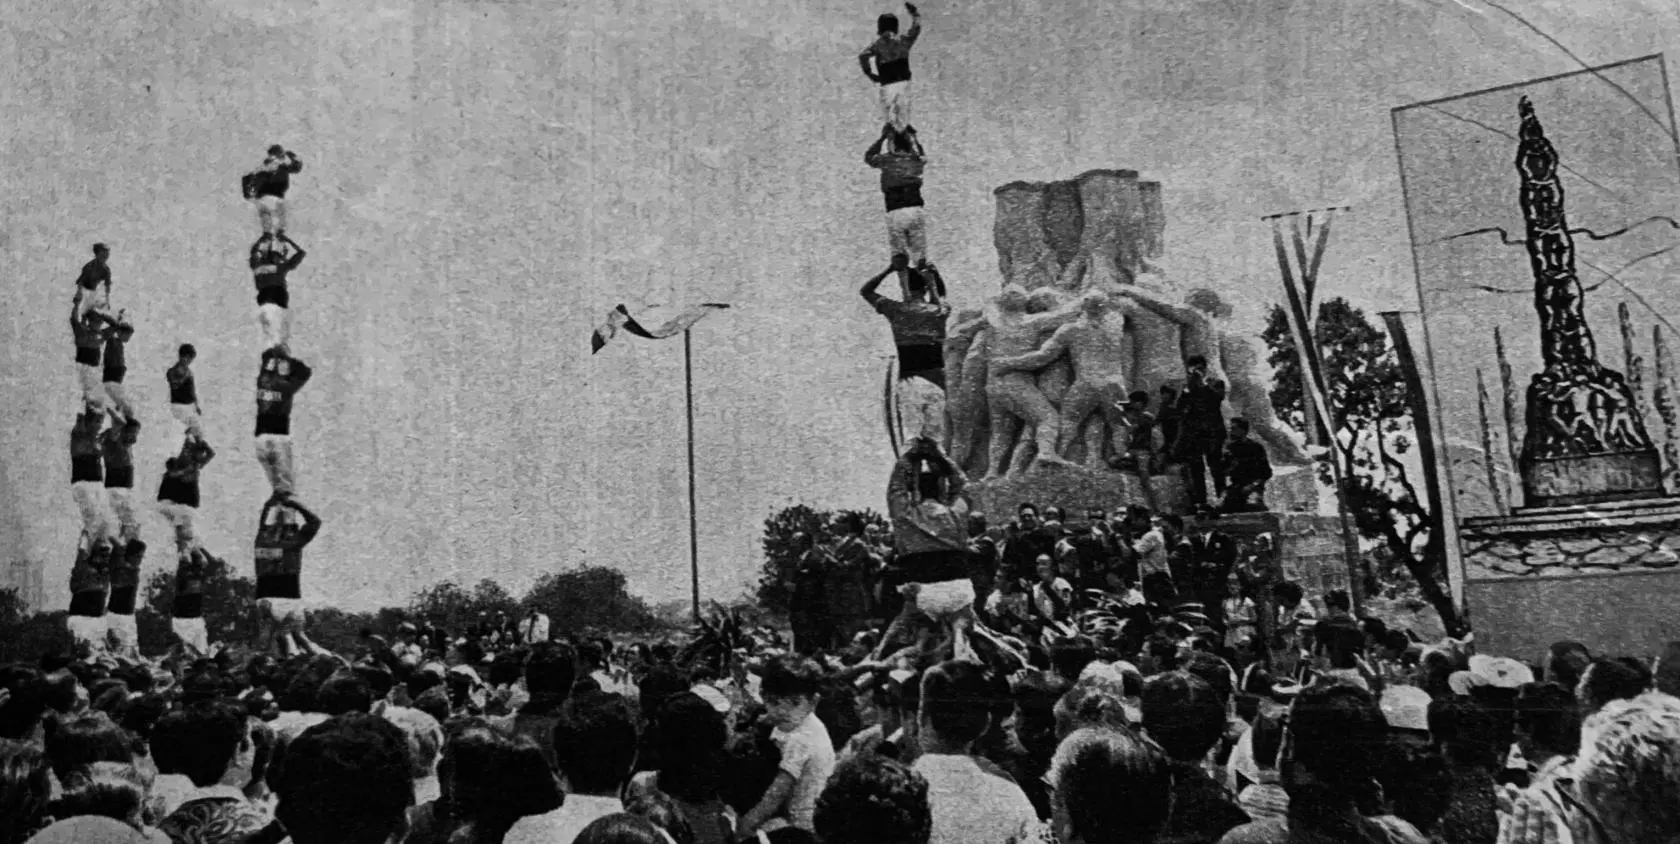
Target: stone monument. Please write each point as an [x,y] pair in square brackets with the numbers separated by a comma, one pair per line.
[1083,318]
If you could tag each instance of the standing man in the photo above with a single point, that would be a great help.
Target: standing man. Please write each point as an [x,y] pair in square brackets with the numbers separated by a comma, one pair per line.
[899,157]
[272,258]
[88,330]
[1201,432]
[918,327]
[93,286]
[90,581]
[278,381]
[117,334]
[267,187]
[183,392]
[87,475]
[929,513]
[1247,469]
[178,491]
[284,528]
[117,446]
[887,64]
[186,614]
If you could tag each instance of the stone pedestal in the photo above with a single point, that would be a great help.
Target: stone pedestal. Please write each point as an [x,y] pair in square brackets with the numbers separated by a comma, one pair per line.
[1075,489]
[1592,479]
[1611,538]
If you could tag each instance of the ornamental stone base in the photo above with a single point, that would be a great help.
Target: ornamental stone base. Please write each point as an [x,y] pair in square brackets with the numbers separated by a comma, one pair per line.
[1610,538]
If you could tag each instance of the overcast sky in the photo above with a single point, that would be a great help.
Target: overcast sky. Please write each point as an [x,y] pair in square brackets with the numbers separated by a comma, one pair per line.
[483,180]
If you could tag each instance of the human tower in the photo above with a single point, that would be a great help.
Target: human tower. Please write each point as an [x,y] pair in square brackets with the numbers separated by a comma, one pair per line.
[105,579]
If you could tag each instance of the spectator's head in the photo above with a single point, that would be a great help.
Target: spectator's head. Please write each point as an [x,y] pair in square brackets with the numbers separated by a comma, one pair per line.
[1416,781]
[956,706]
[346,781]
[848,524]
[85,739]
[1027,515]
[187,353]
[887,25]
[114,790]
[1110,787]
[1069,657]
[1092,702]
[1547,720]
[493,778]
[20,712]
[1606,680]
[595,743]
[214,744]
[790,686]
[692,735]
[1036,695]
[621,828]
[25,788]
[1196,364]
[1138,400]
[1239,428]
[1338,600]
[1467,732]
[1288,594]
[551,670]
[874,800]
[658,808]
[1333,746]
[1628,773]
[1566,662]
[424,736]
[1045,566]
[977,525]
[379,679]
[1214,671]
[1182,714]
[343,692]
[101,251]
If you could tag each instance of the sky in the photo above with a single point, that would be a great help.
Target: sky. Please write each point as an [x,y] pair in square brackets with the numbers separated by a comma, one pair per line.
[484,180]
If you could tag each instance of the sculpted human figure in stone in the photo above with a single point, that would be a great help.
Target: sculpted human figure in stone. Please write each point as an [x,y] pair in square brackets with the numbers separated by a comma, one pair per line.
[1013,396]
[1231,358]
[965,374]
[1100,351]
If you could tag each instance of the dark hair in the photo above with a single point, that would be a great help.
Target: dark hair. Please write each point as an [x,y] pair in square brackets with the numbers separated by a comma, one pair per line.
[1194,361]
[551,669]
[1338,599]
[187,350]
[848,523]
[22,711]
[1070,656]
[210,736]
[955,700]
[1268,740]
[85,739]
[791,676]
[25,788]
[1183,714]
[886,23]
[495,778]
[1112,786]
[112,790]
[662,811]
[620,828]
[595,742]
[1335,733]
[1240,423]
[1615,679]
[345,781]
[344,692]
[379,679]
[591,654]
[168,738]
[276,149]
[100,247]
[692,736]
[1025,506]
[1567,662]
[1468,732]
[1416,780]
[1091,703]
[1547,713]
[1289,592]
[1138,397]
[871,799]
[1213,671]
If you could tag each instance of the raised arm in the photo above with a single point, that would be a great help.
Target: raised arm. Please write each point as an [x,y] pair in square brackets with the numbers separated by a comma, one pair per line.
[1171,311]
[900,488]
[958,479]
[872,156]
[1056,318]
[311,522]
[915,24]
[867,291]
[1046,354]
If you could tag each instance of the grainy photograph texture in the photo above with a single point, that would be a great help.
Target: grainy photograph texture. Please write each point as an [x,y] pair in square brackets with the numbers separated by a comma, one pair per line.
[715,421]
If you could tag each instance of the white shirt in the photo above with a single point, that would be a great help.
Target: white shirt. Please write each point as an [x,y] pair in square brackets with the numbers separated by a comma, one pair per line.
[562,825]
[1152,553]
[808,757]
[534,629]
[972,805]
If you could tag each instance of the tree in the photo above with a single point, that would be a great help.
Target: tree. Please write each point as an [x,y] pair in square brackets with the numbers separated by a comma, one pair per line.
[446,605]
[12,608]
[781,555]
[229,606]
[1367,388]
[593,597]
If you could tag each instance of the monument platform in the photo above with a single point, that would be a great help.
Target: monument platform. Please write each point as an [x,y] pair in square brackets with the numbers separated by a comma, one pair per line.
[1609,538]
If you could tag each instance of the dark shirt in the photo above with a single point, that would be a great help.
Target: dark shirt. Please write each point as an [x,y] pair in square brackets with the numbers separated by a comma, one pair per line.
[276,181]
[85,453]
[1202,810]
[892,54]
[1246,462]
[119,458]
[182,388]
[279,546]
[116,365]
[180,479]
[269,267]
[277,383]
[93,275]
[901,171]
[1200,409]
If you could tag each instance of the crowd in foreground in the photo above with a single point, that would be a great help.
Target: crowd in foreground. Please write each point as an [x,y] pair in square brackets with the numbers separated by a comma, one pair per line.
[734,738]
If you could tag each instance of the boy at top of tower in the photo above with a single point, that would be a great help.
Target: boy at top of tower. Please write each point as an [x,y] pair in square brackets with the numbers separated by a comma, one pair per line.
[267,186]
[887,63]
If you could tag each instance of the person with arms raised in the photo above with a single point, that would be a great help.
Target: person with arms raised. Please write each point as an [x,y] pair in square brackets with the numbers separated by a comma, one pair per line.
[284,528]
[273,257]
[900,158]
[117,334]
[278,382]
[918,328]
[887,64]
[267,186]
[93,286]
[178,493]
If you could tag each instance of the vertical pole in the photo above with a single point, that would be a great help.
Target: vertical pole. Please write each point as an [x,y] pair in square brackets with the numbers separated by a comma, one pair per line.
[693,522]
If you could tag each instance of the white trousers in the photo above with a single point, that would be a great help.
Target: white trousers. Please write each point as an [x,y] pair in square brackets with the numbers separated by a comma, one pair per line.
[184,519]
[117,395]
[907,233]
[274,452]
[192,633]
[271,214]
[276,325]
[122,506]
[122,636]
[87,632]
[96,513]
[188,415]
[286,613]
[93,388]
[921,410]
[895,104]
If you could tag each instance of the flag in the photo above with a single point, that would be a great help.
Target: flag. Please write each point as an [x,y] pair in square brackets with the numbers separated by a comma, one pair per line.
[1300,282]
[620,317]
